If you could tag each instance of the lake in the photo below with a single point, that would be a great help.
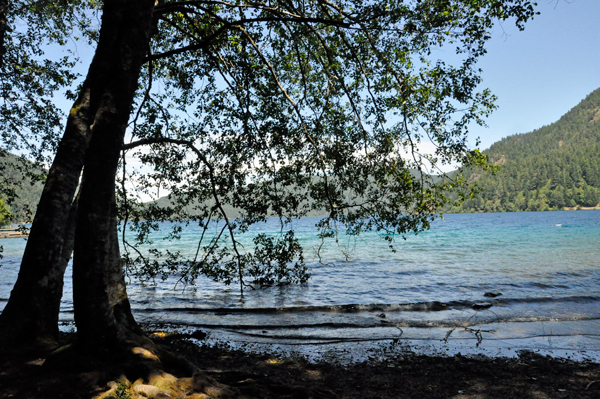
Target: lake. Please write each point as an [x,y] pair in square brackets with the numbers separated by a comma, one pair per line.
[546,265]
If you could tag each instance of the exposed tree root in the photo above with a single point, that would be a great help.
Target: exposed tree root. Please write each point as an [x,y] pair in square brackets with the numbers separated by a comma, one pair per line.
[128,371]
[37,344]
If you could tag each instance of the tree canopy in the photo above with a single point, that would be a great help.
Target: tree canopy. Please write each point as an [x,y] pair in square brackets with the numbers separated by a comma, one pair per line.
[275,108]
[279,110]
[36,68]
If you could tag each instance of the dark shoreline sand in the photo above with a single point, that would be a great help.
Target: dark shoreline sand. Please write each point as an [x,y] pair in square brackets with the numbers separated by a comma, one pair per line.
[268,376]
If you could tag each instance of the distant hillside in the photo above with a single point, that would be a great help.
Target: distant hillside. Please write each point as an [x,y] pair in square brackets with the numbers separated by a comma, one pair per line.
[551,168]
[554,167]
[19,192]
[232,212]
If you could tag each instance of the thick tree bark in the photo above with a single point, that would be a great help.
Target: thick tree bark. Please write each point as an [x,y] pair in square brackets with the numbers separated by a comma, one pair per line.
[102,311]
[31,314]
[102,111]
[117,289]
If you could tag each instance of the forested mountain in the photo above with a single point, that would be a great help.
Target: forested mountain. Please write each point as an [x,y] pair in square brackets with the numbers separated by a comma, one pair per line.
[551,168]
[19,191]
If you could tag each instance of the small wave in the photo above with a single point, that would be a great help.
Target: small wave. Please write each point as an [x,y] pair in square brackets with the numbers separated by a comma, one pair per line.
[288,326]
[433,306]
[571,274]
[366,328]
[411,272]
[347,308]
[366,325]
[546,286]
[578,299]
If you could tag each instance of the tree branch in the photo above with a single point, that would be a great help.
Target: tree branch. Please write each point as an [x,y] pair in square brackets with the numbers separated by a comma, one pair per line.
[211,171]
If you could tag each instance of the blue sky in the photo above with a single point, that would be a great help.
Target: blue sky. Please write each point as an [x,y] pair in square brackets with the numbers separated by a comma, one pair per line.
[538,74]
[542,72]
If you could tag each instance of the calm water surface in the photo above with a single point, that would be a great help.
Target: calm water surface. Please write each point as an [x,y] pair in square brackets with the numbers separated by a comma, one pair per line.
[545,264]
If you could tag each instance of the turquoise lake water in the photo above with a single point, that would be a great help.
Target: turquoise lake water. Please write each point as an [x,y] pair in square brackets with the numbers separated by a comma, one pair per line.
[546,265]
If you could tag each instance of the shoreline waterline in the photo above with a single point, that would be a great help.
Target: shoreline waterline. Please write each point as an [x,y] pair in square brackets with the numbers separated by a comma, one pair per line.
[558,340]
[545,265]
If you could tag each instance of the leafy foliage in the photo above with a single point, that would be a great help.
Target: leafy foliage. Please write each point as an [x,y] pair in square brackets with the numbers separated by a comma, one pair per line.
[33,70]
[292,107]
[283,110]
[553,167]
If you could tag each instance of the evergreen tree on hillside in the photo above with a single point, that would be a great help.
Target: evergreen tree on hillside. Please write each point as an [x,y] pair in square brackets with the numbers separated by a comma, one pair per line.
[4,214]
[22,187]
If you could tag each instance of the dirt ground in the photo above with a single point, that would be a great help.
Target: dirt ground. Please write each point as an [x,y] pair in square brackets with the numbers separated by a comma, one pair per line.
[269,376]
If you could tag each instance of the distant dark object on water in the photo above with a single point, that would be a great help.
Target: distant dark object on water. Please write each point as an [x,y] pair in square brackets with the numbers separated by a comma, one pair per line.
[492,294]
[382,315]
[481,305]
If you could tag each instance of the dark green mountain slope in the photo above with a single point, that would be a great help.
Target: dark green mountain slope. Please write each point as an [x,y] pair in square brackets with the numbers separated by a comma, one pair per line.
[21,186]
[553,167]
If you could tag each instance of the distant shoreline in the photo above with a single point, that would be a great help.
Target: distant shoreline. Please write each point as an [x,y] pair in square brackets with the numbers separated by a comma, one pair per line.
[582,208]
[13,233]
[566,208]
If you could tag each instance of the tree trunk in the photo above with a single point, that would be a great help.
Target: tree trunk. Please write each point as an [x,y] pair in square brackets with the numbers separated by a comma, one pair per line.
[102,311]
[117,289]
[31,314]
[102,110]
